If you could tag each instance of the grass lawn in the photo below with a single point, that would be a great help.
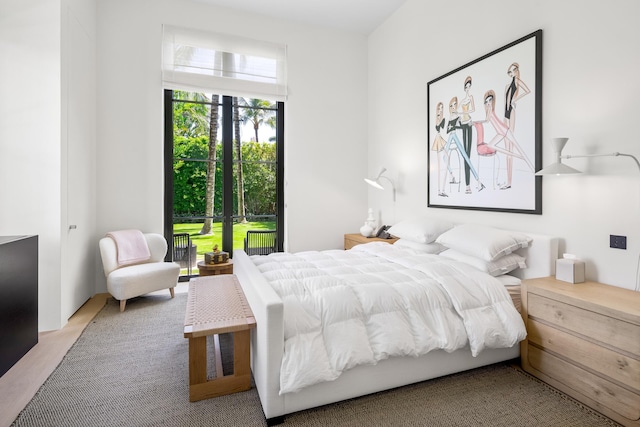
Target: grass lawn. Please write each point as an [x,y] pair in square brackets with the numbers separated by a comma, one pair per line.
[205,242]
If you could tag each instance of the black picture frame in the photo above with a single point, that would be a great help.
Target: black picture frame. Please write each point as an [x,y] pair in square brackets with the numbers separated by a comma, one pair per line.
[485,146]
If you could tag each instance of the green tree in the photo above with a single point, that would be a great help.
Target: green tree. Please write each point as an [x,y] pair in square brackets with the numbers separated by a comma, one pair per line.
[193,119]
[189,176]
[189,118]
[260,178]
[196,150]
[258,112]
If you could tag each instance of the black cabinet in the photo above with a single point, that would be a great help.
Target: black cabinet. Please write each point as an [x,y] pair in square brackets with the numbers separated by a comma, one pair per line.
[18,298]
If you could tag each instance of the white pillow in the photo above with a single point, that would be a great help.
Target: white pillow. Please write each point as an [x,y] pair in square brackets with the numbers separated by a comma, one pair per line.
[501,266]
[483,242]
[421,230]
[427,248]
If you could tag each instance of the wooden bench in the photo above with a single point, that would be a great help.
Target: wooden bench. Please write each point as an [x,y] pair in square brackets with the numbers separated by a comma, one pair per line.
[217,305]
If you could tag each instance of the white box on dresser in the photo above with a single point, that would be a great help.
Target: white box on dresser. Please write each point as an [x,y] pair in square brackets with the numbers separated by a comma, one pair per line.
[584,340]
[570,270]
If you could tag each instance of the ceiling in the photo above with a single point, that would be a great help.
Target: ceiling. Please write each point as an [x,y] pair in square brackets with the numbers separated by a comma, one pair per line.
[361,16]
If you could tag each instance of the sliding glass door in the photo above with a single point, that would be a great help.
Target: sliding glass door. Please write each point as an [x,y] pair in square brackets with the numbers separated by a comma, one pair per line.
[223,173]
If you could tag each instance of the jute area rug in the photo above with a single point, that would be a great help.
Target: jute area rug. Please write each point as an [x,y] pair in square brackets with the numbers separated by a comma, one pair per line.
[131,369]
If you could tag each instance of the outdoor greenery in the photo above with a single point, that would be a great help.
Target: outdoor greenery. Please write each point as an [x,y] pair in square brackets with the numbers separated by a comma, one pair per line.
[189,178]
[198,170]
[195,134]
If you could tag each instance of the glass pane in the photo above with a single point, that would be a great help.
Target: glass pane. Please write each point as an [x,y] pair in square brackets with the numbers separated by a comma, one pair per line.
[196,150]
[255,121]
[254,168]
[198,172]
[189,189]
[199,243]
[197,176]
[259,184]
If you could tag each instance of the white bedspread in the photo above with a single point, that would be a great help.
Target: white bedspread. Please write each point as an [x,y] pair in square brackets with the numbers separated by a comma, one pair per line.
[346,308]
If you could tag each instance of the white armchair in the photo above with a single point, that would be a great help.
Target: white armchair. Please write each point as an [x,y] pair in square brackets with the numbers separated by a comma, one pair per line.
[138,279]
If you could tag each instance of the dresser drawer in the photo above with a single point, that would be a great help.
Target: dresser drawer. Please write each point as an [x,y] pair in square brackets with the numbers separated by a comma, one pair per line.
[607,330]
[617,367]
[585,340]
[603,394]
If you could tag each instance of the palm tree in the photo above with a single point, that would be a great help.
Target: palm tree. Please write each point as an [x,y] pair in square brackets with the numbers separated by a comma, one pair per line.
[258,112]
[190,119]
[211,165]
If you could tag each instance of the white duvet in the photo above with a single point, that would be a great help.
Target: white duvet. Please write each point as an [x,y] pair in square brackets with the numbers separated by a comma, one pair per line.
[347,308]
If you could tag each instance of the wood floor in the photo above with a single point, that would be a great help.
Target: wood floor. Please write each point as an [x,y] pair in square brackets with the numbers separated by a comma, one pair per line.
[20,383]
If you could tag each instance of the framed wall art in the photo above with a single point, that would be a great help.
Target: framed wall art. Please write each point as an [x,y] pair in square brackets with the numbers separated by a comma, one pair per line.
[485,132]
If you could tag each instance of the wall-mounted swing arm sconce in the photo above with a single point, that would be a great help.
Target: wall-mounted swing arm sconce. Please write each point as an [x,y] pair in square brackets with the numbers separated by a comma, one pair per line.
[376,182]
[559,168]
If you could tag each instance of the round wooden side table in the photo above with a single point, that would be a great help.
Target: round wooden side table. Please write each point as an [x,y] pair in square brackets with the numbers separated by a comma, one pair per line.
[215,269]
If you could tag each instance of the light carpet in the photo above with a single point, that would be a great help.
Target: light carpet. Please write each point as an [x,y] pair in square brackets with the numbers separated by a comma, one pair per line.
[131,369]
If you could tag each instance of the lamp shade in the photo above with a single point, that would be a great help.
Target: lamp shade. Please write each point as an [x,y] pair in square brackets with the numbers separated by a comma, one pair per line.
[558,168]
[374,184]
[558,144]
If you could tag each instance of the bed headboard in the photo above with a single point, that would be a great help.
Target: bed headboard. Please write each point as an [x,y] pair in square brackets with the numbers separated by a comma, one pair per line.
[540,257]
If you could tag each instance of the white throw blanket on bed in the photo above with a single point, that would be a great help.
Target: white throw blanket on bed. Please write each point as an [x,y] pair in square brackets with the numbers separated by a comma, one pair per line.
[347,308]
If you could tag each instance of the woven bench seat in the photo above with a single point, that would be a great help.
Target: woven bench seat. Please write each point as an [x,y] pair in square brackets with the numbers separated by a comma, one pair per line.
[217,305]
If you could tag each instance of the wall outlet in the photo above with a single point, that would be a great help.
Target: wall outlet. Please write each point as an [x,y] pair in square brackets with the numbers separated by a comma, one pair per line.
[617,242]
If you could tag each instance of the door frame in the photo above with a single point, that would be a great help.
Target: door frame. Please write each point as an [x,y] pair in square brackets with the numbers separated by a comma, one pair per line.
[228,164]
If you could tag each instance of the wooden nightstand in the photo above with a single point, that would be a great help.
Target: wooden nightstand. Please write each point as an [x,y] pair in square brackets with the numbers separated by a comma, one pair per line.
[584,340]
[351,240]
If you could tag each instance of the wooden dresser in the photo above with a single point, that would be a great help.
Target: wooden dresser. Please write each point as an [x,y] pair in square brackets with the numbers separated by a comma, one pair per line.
[584,340]
[351,240]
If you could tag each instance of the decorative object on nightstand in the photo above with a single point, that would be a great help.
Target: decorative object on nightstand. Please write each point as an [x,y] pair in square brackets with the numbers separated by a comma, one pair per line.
[371,220]
[370,225]
[366,230]
[351,240]
[570,269]
[216,257]
[585,341]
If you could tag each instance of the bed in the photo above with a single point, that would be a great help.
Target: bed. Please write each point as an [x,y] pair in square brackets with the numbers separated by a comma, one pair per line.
[268,339]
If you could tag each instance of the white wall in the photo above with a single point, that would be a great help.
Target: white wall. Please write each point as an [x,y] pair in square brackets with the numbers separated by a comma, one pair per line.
[30,157]
[325,118]
[590,89]
[48,130]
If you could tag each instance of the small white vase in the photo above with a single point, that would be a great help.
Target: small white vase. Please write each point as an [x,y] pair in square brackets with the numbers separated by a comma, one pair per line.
[366,230]
[371,220]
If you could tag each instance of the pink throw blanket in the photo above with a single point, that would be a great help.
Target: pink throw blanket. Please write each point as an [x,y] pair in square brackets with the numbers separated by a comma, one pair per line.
[131,246]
